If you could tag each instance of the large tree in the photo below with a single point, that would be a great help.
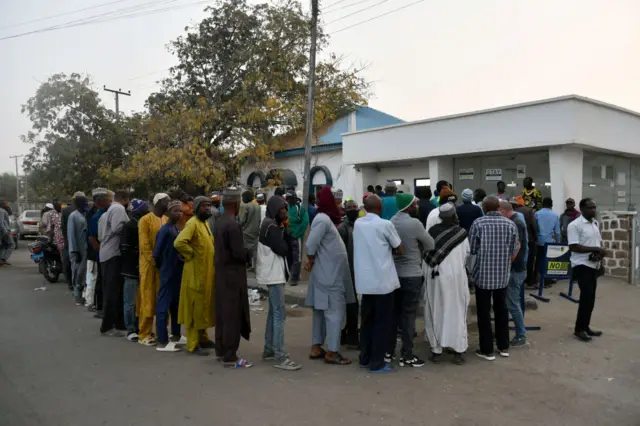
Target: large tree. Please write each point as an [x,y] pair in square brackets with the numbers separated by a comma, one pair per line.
[241,80]
[73,136]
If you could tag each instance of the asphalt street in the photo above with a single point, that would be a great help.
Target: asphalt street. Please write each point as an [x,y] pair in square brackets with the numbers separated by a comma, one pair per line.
[56,369]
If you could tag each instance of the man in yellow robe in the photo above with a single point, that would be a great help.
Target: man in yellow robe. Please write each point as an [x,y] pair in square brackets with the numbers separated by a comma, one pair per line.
[196,311]
[148,228]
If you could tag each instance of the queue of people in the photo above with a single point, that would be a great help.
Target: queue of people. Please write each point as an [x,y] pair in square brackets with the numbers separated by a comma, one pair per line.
[182,262]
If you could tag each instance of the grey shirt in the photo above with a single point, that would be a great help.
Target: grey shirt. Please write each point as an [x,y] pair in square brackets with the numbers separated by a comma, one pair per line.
[330,282]
[110,228]
[77,233]
[250,224]
[415,240]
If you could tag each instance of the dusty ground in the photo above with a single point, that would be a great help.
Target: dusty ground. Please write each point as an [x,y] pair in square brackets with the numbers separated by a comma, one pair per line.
[55,369]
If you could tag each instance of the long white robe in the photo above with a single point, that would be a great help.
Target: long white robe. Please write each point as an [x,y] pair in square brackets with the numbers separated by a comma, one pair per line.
[447,301]
[433,219]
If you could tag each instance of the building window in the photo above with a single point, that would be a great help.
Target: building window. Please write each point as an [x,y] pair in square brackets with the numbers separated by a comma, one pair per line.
[421,182]
[397,181]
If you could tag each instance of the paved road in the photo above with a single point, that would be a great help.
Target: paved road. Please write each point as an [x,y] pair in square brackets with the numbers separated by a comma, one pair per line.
[55,369]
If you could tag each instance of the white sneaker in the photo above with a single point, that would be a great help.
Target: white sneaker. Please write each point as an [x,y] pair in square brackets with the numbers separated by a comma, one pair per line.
[132,337]
[503,353]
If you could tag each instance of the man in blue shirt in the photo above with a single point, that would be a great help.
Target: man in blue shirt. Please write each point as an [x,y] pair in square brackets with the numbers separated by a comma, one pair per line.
[548,231]
[389,205]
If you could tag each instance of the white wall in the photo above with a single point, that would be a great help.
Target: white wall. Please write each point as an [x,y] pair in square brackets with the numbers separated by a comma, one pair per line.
[517,128]
[608,129]
[343,175]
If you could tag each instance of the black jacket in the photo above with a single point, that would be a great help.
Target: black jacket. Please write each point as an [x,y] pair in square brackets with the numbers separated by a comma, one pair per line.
[424,208]
[64,220]
[467,214]
[129,245]
[272,235]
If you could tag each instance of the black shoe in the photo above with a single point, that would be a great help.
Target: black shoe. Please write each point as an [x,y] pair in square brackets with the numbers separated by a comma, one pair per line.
[414,361]
[98,315]
[435,358]
[458,359]
[208,345]
[594,333]
[583,335]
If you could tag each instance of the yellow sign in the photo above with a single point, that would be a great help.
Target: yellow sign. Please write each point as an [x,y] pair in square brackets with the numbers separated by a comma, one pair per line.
[557,267]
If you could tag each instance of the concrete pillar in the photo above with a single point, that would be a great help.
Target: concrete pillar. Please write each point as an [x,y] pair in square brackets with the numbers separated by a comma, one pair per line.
[565,170]
[440,168]
[364,176]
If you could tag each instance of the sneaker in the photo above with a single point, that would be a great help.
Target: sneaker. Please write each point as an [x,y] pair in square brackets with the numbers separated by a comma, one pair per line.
[293,283]
[241,363]
[389,357]
[504,353]
[113,333]
[488,357]
[268,355]
[518,342]
[287,364]
[414,361]
[435,358]
[386,369]
[132,337]
[148,341]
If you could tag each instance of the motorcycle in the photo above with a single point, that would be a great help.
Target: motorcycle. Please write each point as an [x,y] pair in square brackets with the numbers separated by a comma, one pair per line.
[45,253]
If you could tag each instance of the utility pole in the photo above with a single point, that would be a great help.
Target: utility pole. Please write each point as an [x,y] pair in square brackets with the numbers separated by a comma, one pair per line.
[117,94]
[312,86]
[15,157]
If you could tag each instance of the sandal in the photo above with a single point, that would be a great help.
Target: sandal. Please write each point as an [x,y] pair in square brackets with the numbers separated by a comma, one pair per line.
[318,355]
[336,359]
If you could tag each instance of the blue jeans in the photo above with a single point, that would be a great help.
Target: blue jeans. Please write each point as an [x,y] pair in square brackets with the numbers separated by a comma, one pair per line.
[516,281]
[130,294]
[274,334]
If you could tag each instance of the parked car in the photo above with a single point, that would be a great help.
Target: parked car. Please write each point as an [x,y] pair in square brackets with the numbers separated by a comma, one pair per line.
[29,223]
[15,229]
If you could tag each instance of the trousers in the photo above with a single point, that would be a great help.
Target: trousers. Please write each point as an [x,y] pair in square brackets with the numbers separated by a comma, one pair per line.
[129,295]
[113,288]
[588,282]
[6,248]
[91,280]
[405,309]
[274,333]
[516,284]
[501,318]
[375,325]
[326,325]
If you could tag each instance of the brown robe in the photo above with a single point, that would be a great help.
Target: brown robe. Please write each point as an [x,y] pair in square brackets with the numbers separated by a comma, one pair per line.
[232,299]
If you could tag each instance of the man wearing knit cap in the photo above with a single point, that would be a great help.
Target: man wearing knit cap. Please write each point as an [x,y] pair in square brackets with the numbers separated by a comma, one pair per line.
[447,288]
[446,196]
[197,309]
[232,300]
[416,241]
[148,228]
[467,211]
[389,205]
[338,195]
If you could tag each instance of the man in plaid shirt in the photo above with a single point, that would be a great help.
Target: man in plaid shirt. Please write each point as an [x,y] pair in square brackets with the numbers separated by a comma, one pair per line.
[494,241]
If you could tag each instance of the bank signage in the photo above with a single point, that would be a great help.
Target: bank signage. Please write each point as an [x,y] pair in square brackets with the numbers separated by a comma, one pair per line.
[493,174]
[558,261]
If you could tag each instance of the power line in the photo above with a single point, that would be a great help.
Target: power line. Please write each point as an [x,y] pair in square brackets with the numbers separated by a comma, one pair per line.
[357,11]
[61,14]
[326,12]
[133,12]
[334,3]
[376,17]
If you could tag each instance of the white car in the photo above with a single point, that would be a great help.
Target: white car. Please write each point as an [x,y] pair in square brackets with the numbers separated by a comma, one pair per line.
[29,223]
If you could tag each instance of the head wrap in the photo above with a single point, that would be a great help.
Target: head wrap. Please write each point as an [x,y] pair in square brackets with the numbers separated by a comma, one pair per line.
[403,201]
[159,196]
[98,192]
[49,206]
[327,205]
[173,203]
[274,205]
[447,210]
[79,194]
[447,195]
[467,195]
[199,200]
[350,205]
[138,206]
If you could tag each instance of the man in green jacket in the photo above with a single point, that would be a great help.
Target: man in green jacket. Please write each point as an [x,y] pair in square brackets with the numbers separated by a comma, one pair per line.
[298,223]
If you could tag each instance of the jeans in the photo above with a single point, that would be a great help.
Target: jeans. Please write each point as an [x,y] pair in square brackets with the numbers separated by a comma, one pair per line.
[516,284]
[483,307]
[129,295]
[588,282]
[6,248]
[112,288]
[274,334]
[375,326]
[91,280]
[78,274]
[406,302]
[297,253]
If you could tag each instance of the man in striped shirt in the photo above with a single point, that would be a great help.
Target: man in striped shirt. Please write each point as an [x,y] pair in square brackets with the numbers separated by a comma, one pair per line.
[494,241]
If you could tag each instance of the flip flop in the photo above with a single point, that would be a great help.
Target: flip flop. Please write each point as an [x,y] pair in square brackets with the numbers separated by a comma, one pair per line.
[169,347]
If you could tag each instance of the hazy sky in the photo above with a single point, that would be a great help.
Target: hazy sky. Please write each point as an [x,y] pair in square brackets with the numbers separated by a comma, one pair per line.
[436,57]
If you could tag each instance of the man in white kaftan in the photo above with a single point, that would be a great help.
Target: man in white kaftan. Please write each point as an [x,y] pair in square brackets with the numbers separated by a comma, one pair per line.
[446,287]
